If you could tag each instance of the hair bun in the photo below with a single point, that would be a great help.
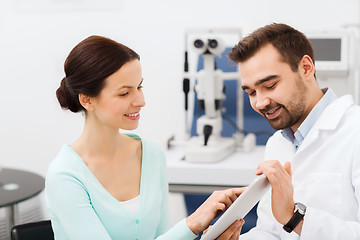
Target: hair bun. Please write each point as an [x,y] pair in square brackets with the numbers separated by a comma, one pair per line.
[65,98]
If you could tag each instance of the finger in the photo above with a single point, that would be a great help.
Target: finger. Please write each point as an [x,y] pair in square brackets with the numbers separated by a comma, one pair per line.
[265,165]
[287,167]
[220,206]
[231,231]
[276,166]
[206,230]
[274,169]
[233,194]
[238,191]
[282,168]
[284,172]
[258,170]
[227,196]
[236,234]
[228,233]
[227,201]
[274,177]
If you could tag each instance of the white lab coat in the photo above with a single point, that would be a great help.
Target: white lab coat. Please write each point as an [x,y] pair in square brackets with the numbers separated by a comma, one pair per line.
[326,178]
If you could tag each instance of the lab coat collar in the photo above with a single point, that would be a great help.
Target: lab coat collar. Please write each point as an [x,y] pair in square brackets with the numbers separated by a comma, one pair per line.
[333,113]
[329,120]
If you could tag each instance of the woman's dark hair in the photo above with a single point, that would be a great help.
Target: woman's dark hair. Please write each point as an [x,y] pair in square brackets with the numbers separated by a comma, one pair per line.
[86,68]
[291,44]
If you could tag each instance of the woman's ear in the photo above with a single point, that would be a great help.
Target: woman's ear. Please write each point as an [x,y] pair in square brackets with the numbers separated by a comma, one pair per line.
[307,67]
[86,101]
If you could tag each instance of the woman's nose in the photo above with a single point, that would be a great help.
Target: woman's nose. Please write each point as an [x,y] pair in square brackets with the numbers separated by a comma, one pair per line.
[139,100]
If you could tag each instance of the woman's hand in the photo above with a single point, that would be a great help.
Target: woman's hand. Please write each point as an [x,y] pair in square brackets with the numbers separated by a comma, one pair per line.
[217,203]
[232,232]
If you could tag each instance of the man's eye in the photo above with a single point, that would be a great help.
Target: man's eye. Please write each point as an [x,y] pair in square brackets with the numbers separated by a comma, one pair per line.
[251,93]
[271,86]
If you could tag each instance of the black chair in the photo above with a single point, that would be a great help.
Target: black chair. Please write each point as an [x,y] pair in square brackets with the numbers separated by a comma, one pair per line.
[41,230]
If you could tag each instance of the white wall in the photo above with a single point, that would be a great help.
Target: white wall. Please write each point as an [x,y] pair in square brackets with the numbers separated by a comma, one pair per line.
[36,38]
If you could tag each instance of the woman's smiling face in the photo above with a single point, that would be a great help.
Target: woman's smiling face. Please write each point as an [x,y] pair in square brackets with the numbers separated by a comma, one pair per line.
[119,103]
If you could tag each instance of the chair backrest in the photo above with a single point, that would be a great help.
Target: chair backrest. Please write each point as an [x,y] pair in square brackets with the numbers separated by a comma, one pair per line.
[35,230]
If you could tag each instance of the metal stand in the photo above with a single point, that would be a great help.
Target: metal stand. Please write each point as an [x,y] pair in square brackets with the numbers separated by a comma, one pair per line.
[12,214]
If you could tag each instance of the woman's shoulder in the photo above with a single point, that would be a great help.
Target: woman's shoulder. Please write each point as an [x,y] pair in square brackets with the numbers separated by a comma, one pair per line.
[66,162]
[147,144]
[151,148]
[151,151]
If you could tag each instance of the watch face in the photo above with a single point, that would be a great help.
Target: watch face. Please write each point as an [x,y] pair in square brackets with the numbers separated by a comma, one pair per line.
[300,207]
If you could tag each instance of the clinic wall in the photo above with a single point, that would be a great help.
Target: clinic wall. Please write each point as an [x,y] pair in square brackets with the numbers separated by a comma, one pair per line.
[36,40]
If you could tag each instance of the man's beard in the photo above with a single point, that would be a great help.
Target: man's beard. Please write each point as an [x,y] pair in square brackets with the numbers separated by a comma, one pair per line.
[292,113]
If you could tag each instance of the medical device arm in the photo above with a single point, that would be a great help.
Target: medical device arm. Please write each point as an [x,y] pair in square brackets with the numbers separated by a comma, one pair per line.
[209,146]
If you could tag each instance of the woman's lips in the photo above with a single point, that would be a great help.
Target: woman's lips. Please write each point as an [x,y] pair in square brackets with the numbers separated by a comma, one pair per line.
[133,116]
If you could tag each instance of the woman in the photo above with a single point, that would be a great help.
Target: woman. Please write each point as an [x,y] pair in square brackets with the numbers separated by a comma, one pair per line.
[109,185]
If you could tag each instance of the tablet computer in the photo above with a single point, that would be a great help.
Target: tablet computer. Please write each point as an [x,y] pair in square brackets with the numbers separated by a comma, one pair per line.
[239,208]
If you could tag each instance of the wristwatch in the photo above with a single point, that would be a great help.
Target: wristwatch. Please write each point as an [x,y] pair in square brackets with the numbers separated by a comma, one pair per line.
[299,214]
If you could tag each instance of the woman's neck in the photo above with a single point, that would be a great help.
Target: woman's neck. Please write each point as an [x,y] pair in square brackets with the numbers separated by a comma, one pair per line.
[99,141]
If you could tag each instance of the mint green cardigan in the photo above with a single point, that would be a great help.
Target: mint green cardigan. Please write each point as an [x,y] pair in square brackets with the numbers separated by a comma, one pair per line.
[81,208]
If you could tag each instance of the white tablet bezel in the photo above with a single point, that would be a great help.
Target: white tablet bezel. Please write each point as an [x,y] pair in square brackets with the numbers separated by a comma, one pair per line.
[240,207]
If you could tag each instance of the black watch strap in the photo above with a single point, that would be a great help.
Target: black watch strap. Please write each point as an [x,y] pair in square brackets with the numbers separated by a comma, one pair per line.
[296,218]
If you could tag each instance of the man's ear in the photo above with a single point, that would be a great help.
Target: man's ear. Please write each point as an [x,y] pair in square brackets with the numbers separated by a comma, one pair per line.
[307,67]
[86,101]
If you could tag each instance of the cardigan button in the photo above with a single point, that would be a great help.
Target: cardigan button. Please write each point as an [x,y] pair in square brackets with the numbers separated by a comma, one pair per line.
[137,221]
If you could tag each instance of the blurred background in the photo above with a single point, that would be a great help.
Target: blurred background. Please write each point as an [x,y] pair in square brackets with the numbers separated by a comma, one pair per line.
[37,35]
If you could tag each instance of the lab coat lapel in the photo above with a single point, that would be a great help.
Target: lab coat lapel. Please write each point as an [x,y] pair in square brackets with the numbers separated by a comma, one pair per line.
[279,148]
[328,120]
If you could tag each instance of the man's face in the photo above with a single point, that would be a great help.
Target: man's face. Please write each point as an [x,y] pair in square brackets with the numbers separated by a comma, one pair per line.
[275,91]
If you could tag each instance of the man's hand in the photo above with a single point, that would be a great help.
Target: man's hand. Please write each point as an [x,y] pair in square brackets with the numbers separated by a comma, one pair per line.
[282,190]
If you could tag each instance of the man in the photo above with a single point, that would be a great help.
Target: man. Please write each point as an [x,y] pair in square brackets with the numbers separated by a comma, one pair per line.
[313,161]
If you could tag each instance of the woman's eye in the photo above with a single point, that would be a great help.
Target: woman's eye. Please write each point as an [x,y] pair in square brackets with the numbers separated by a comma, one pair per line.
[140,87]
[124,94]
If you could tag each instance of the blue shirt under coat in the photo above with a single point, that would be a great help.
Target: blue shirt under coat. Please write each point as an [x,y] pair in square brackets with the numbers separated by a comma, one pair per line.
[298,137]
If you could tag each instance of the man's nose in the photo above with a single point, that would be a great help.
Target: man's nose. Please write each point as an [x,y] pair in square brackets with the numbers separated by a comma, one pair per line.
[262,101]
